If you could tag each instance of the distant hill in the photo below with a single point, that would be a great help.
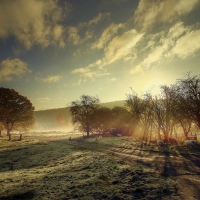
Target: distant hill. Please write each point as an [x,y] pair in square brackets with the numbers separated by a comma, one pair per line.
[60,118]
[113,104]
[49,119]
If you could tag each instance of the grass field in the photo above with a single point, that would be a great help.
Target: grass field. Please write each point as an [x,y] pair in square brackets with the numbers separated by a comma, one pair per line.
[78,169]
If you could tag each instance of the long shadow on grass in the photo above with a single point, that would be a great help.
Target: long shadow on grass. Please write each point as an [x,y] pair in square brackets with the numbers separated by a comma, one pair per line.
[40,154]
[167,162]
[168,166]
[164,162]
[60,177]
[94,175]
[176,164]
[191,163]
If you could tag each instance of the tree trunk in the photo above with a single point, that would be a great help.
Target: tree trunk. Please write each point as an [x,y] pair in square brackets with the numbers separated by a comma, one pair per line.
[175,133]
[170,134]
[8,132]
[186,135]
[88,131]
[166,135]
[159,136]
[20,138]
[145,134]
[88,134]
[150,134]
[0,132]
[9,137]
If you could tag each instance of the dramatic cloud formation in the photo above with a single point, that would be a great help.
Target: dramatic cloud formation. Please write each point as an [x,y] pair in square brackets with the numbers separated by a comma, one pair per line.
[33,22]
[10,68]
[101,47]
[121,46]
[107,34]
[187,45]
[152,12]
[179,40]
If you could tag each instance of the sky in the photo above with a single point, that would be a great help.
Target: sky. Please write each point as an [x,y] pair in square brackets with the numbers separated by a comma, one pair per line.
[54,51]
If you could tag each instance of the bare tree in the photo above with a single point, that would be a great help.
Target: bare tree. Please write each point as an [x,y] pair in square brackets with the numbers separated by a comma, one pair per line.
[134,106]
[189,97]
[83,111]
[141,111]
[148,116]
[165,113]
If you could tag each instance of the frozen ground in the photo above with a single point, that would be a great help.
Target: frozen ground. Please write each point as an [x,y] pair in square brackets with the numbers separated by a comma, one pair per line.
[52,167]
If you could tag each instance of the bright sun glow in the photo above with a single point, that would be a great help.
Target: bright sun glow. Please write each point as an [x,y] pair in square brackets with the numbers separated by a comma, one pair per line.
[153,86]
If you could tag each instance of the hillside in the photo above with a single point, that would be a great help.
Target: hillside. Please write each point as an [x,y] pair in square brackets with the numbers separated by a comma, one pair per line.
[60,118]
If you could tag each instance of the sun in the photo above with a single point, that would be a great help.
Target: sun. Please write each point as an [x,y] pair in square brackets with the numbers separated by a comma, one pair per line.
[152,86]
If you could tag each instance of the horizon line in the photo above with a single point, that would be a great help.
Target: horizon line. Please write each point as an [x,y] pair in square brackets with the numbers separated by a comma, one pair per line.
[43,109]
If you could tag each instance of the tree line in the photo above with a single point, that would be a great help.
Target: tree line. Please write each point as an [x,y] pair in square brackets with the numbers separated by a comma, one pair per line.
[176,107]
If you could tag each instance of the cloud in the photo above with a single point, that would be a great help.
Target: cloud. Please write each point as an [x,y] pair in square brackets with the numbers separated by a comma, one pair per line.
[152,12]
[187,45]
[50,79]
[98,18]
[121,47]
[82,32]
[90,72]
[113,79]
[42,100]
[10,68]
[155,55]
[33,22]
[80,70]
[107,34]
[179,40]
[74,35]
[136,70]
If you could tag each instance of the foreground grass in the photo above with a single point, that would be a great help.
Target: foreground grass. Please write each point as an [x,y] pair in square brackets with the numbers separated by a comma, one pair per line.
[65,170]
